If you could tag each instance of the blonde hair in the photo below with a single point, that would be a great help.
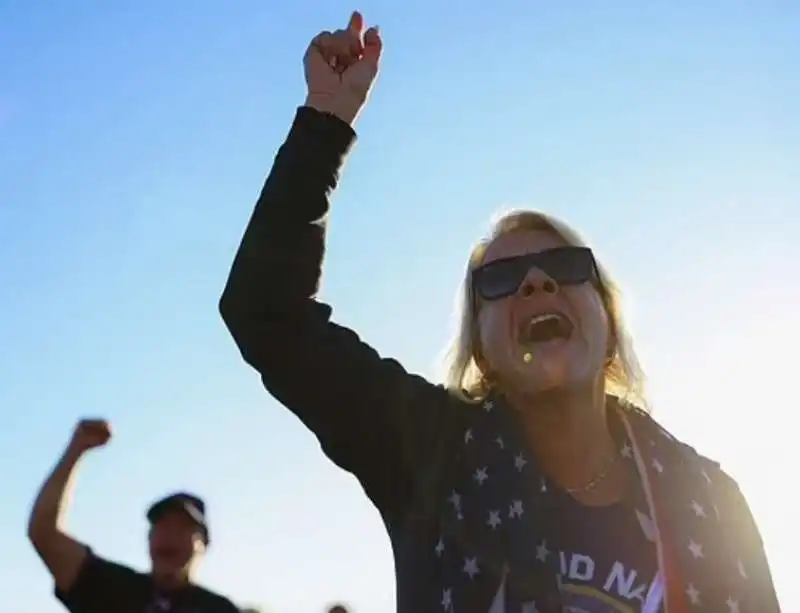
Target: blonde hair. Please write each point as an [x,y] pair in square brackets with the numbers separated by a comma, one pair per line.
[463,377]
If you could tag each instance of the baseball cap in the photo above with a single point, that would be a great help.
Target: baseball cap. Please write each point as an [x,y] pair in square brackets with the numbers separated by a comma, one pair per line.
[191,505]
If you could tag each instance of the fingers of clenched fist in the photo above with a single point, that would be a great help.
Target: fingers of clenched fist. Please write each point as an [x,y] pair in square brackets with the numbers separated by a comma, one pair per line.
[90,433]
[342,48]
[341,66]
[373,45]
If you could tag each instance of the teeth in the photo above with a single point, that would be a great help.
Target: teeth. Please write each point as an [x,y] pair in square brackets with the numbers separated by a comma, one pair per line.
[543,317]
[529,330]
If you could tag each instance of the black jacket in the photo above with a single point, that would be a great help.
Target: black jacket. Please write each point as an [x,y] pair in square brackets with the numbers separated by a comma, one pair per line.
[393,430]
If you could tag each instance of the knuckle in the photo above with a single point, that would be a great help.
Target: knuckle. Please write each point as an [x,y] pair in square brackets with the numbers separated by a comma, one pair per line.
[321,40]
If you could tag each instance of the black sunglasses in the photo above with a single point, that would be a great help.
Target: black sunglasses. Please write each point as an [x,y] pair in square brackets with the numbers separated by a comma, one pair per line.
[564,265]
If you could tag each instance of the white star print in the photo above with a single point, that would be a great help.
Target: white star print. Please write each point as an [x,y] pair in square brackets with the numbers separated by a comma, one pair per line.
[626,451]
[515,509]
[488,405]
[716,511]
[733,605]
[447,599]
[494,519]
[693,594]
[455,499]
[705,476]
[742,572]
[698,509]
[520,462]
[542,551]
[529,607]
[480,475]
[500,443]
[439,547]
[657,465]
[696,549]
[543,487]
[471,567]
[467,436]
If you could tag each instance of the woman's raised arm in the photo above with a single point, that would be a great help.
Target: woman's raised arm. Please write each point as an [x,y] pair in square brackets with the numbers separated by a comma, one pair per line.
[371,417]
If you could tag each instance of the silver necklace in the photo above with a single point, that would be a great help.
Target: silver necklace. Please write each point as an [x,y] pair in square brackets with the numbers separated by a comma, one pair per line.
[596,480]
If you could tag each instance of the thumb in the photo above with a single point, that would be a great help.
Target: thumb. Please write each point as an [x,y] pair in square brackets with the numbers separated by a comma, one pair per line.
[373,45]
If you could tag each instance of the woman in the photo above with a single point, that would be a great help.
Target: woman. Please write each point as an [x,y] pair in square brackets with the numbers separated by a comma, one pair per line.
[532,482]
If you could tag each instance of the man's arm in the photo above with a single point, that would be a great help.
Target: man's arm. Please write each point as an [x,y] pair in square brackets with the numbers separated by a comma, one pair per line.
[63,555]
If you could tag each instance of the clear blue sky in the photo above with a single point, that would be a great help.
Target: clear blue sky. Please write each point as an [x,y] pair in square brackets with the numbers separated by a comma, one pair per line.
[134,137]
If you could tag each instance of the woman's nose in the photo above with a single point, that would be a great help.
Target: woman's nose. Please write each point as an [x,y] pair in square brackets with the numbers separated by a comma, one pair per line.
[537,281]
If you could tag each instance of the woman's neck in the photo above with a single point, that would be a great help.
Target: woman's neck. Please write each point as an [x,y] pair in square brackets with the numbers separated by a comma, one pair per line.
[569,435]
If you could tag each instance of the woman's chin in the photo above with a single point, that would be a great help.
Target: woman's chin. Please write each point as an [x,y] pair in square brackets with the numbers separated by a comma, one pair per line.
[549,368]
[541,378]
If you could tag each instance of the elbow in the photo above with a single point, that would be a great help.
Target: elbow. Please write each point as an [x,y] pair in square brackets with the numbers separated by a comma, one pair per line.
[265,331]
[230,309]
[37,535]
[225,309]
[233,318]
[238,324]
[34,529]
[32,536]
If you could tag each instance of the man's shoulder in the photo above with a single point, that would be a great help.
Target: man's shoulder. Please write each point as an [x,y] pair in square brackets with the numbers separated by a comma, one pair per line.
[116,567]
[214,602]
[101,582]
[114,574]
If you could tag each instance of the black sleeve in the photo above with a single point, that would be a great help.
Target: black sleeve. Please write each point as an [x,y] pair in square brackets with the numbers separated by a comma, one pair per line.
[371,417]
[227,606]
[210,602]
[101,586]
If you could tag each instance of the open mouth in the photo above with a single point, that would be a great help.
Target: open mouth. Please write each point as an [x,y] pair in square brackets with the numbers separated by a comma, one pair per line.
[546,327]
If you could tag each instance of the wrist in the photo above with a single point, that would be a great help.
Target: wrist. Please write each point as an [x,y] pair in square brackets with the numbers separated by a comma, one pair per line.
[345,110]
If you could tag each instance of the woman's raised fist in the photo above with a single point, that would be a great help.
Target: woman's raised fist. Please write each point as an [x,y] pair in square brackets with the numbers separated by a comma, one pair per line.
[340,68]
